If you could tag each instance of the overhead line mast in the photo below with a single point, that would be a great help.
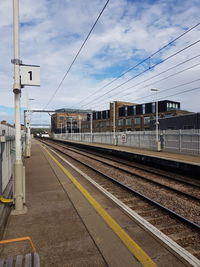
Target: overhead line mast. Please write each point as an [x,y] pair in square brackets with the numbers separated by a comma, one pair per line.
[18,165]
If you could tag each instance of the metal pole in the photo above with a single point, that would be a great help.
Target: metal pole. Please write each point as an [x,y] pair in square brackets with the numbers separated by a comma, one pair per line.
[71,128]
[80,128]
[158,146]
[114,124]
[18,166]
[27,148]
[80,124]
[157,116]
[91,128]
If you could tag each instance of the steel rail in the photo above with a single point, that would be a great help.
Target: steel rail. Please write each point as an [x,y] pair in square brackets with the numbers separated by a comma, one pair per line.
[137,175]
[140,176]
[137,167]
[169,211]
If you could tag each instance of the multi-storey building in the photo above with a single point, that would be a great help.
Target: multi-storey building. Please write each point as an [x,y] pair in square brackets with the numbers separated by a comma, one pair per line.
[130,116]
[68,120]
[181,122]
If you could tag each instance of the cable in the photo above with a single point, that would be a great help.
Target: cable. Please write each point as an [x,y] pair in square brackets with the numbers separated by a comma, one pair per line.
[160,92]
[183,49]
[168,89]
[189,90]
[198,64]
[141,62]
[157,76]
[186,91]
[77,54]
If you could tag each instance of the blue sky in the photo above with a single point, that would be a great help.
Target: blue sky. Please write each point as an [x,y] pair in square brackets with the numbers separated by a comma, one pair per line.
[128,32]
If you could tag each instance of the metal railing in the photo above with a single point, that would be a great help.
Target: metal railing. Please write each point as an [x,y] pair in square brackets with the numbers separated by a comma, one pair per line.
[178,141]
[7,154]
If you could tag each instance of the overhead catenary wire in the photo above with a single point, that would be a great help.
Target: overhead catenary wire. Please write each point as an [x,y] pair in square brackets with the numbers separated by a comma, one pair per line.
[139,74]
[73,61]
[161,98]
[186,91]
[140,63]
[174,74]
[169,76]
[168,89]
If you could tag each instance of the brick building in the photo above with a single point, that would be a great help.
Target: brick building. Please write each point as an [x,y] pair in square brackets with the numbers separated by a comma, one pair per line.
[130,116]
[68,120]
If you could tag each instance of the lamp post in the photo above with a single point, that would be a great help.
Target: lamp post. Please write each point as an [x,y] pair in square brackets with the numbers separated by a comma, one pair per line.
[71,127]
[61,125]
[91,128]
[19,169]
[114,124]
[158,147]
[28,129]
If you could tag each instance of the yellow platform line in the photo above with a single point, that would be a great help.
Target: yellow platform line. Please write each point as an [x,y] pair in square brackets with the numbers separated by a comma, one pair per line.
[134,248]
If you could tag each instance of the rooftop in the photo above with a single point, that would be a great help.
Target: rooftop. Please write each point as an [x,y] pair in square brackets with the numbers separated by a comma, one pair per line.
[70,110]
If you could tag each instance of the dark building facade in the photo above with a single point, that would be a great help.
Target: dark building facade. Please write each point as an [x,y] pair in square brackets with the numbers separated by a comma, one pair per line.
[188,121]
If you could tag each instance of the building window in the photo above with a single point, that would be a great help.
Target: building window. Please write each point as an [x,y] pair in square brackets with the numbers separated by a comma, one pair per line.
[134,110]
[137,120]
[126,110]
[172,106]
[143,108]
[107,123]
[61,118]
[75,126]
[128,121]
[146,120]
[102,124]
[120,122]
[154,107]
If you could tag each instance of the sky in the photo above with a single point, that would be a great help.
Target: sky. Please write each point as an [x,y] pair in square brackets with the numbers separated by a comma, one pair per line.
[51,33]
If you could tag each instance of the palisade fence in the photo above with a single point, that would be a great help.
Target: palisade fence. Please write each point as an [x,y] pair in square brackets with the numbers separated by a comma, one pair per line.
[178,141]
[7,155]
[7,159]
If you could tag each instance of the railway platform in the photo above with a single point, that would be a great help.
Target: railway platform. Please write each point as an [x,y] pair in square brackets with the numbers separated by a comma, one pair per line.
[181,162]
[72,224]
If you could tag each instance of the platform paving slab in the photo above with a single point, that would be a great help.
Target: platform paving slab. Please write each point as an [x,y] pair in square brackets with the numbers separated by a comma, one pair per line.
[159,253]
[59,235]
[56,228]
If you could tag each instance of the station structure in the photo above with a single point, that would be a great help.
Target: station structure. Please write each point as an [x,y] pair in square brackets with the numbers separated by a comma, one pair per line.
[66,220]
[127,116]
[70,222]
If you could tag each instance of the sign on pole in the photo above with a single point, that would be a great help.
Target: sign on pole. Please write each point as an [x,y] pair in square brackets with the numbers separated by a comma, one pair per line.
[30,75]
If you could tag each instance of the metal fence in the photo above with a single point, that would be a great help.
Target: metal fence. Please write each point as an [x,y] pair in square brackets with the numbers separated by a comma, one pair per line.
[7,159]
[178,141]
[7,154]
[182,141]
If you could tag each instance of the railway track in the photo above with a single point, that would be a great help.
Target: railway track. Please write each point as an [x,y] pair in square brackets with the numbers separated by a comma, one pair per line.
[165,174]
[178,219]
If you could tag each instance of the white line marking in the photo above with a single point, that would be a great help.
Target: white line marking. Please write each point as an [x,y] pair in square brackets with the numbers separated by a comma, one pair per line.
[145,224]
